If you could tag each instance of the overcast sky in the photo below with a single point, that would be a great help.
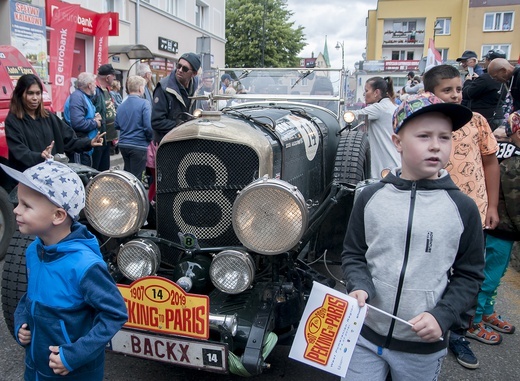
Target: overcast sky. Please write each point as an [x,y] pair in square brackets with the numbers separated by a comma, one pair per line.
[339,20]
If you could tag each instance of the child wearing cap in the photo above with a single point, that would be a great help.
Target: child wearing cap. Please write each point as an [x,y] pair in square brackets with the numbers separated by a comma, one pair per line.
[72,306]
[406,233]
[473,166]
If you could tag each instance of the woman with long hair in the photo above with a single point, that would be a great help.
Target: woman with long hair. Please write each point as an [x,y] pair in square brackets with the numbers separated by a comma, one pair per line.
[34,134]
[380,98]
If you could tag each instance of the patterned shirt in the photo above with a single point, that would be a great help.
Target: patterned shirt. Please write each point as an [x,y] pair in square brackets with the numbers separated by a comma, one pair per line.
[470,144]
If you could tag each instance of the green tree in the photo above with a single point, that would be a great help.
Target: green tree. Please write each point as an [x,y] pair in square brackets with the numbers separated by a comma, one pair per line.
[259,34]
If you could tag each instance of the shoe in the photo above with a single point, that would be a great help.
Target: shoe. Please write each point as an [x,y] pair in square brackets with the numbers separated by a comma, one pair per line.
[484,334]
[496,322]
[461,350]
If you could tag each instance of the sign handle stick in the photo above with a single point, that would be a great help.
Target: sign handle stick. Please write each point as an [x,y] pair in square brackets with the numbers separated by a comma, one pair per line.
[387,314]
[393,317]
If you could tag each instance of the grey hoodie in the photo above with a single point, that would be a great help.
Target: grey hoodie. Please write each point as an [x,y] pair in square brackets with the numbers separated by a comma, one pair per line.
[413,246]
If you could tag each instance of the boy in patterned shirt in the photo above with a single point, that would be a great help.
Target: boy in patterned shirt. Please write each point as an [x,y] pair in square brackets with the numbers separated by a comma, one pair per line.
[473,166]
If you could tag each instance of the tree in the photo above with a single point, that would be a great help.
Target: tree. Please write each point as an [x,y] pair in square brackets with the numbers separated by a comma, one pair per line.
[259,34]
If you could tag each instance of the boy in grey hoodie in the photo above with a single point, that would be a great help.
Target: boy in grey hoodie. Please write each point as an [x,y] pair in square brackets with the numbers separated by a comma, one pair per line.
[413,248]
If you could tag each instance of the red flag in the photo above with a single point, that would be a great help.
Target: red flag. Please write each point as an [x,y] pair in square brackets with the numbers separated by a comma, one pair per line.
[62,35]
[434,57]
[101,50]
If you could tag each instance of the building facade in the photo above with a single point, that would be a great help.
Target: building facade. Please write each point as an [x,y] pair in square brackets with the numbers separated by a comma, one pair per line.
[166,28]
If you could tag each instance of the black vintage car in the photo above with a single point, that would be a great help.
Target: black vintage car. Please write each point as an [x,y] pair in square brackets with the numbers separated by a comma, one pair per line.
[249,199]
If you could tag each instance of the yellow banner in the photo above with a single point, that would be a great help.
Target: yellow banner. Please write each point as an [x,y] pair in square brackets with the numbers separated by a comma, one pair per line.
[160,305]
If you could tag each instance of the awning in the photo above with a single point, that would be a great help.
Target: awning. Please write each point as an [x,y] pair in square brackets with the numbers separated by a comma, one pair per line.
[133,52]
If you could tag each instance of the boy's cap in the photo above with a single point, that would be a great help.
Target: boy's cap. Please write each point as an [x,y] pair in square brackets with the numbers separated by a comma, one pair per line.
[467,54]
[225,76]
[427,102]
[193,59]
[57,181]
[107,69]
[513,124]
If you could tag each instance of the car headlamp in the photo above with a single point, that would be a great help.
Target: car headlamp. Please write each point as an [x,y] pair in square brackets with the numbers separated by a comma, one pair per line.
[349,117]
[139,258]
[232,271]
[270,216]
[116,203]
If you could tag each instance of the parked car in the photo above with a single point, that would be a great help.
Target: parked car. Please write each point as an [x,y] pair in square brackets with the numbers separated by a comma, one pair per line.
[249,199]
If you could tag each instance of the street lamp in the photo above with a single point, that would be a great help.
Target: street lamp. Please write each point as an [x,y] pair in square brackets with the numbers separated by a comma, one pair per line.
[342,46]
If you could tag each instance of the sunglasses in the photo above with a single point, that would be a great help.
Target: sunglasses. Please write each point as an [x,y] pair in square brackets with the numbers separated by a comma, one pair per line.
[185,69]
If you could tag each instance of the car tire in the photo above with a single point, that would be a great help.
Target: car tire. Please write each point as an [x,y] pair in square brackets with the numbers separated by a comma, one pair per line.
[14,276]
[7,222]
[351,166]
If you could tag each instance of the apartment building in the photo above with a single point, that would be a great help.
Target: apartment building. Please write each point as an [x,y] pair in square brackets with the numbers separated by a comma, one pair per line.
[399,31]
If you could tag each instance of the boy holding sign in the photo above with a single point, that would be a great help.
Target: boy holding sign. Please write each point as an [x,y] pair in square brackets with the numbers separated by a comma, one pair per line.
[405,237]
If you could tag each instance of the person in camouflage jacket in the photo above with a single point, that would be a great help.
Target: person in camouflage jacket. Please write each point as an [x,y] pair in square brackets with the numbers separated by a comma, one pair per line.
[499,242]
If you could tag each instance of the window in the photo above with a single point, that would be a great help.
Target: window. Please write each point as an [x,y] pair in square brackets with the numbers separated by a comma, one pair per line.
[444,54]
[405,26]
[498,21]
[201,14]
[442,27]
[172,7]
[401,55]
[505,48]
[115,6]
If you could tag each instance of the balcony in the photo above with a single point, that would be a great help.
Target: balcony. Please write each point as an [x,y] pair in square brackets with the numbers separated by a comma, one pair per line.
[403,38]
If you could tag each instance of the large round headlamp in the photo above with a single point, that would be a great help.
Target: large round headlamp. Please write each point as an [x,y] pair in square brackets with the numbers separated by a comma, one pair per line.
[349,117]
[270,216]
[139,258]
[116,203]
[232,271]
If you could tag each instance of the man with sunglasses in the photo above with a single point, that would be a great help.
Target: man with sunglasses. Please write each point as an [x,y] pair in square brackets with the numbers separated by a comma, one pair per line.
[171,97]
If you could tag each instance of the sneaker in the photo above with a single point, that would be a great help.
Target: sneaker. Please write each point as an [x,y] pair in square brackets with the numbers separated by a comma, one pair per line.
[484,334]
[496,322]
[463,353]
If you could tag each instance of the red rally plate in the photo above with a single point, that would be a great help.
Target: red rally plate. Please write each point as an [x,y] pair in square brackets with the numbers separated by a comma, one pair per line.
[183,352]
[160,305]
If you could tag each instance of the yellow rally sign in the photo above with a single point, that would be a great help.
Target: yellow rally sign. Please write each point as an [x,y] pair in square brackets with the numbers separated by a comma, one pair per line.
[157,304]
[322,327]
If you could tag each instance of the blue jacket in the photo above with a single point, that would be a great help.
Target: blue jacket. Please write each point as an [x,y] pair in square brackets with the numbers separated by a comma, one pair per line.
[79,113]
[71,302]
[133,119]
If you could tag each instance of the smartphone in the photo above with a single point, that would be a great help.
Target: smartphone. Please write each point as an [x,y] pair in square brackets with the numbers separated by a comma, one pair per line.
[470,71]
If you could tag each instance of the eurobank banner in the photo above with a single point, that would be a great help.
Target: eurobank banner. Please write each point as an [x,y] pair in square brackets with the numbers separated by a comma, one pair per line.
[101,49]
[61,52]
[88,23]
[28,35]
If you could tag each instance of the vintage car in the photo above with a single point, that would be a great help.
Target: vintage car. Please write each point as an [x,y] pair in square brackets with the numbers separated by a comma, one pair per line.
[250,199]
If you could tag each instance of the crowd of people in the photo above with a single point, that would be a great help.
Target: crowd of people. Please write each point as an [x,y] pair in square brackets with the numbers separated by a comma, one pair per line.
[437,137]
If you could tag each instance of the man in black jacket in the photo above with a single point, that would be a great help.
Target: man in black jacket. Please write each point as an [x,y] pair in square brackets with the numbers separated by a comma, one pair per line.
[485,95]
[171,101]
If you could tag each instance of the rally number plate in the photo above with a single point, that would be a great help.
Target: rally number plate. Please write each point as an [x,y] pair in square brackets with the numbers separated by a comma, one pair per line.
[202,355]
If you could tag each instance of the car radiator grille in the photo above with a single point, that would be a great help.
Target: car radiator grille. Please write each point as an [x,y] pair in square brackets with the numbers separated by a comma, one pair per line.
[197,183]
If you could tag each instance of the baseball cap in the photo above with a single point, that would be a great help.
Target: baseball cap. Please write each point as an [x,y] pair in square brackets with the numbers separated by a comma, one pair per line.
[56,181]
[225,76]
[427,102]
[495,53]
[193,59]
[467,54]
[107,69]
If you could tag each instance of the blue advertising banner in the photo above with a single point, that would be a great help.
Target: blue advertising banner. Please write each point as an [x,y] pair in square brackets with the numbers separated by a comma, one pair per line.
[28,35]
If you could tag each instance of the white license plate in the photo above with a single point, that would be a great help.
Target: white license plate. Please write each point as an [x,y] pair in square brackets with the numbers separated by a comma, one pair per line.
[203,355]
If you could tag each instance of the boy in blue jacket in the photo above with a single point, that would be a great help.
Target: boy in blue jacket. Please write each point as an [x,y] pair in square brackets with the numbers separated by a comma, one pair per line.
[72,306]
[405,237]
